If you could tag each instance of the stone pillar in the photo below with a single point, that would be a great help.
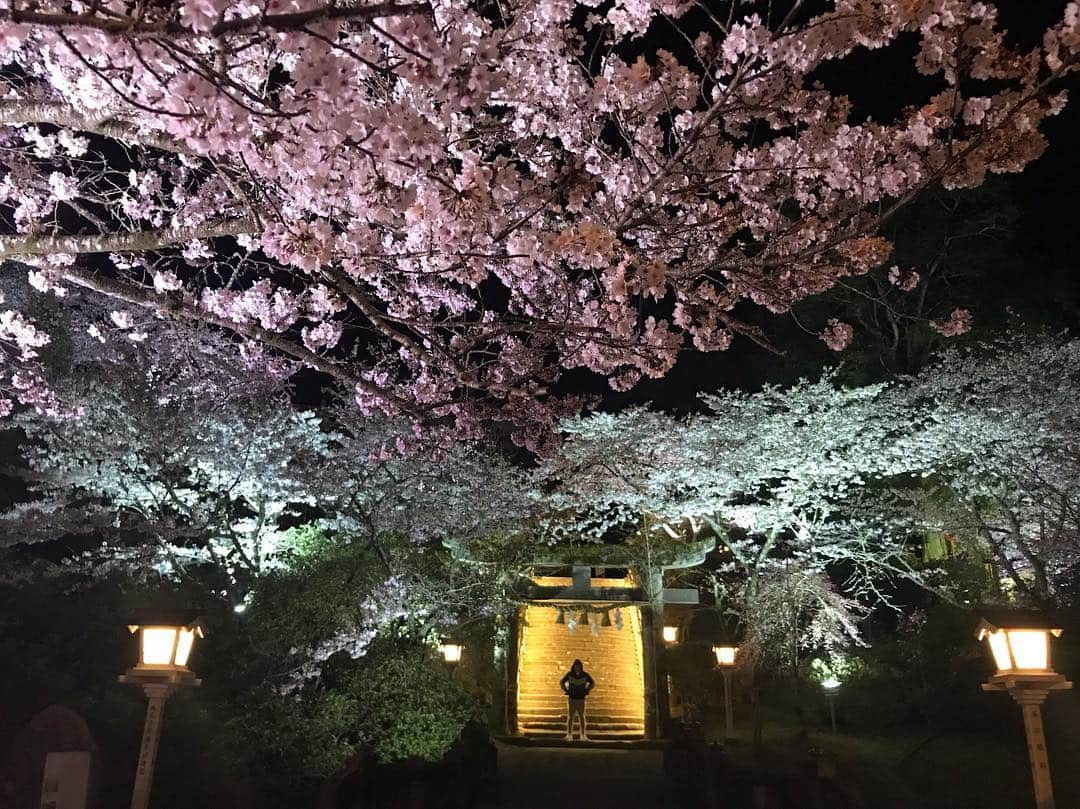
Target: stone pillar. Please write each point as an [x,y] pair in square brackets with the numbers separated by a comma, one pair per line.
[156,693]
[1029,691]
[648,662]
[729,719]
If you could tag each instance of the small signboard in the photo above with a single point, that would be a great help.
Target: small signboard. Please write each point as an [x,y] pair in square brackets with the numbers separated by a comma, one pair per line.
[67,781]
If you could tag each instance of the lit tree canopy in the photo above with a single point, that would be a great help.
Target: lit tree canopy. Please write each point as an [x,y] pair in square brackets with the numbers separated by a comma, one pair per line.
[446,205]
[1005,427]
[177,453]
[778,474]
[983,443]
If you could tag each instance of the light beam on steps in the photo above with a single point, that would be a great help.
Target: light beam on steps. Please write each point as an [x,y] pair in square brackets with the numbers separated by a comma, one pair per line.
[615,708]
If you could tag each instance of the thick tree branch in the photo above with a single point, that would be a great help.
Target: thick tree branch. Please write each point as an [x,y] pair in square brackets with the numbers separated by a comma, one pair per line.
[138,241]
[15,112]
[177,309]
[139,28]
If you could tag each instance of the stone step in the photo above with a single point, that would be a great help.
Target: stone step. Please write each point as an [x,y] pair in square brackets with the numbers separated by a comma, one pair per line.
[592,707]
[530,698]
[596,693]
[591,728]
[561,710]
[615,708]
[634,728]
[593,737]
[564,651]
[561,653]
[593,703]
[533,719]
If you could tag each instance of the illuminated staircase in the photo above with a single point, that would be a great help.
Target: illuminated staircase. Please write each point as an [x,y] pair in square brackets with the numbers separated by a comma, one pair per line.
[615,709]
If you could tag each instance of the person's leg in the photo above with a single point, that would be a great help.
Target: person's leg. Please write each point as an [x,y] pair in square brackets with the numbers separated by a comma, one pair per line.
[577,708]
[569,719]
[584,735]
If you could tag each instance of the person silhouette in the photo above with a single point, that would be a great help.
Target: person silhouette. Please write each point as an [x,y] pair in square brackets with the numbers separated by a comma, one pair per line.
[576,684]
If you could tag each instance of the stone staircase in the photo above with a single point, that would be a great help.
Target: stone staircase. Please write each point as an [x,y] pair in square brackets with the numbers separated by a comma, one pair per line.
[615,710]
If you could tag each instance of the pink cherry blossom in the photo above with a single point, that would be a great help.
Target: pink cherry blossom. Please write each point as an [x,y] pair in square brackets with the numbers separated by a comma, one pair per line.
[905,280]
[837,335]
[446,213]
[957,323]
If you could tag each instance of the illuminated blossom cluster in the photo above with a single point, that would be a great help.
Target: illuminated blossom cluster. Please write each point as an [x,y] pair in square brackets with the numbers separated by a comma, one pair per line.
[837,335]
[958,322]
[481,204]
[793,480]
[904,280]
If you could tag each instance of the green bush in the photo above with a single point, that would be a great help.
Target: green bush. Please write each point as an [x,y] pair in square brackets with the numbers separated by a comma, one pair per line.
[411,707]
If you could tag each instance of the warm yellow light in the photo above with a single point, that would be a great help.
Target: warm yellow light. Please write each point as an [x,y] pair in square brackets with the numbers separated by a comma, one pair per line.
[671,634]
[1025,650]
[1030,649]
[725,655]
[158,643]
[615,658]
[451,652]
[166,647]
[999,647]
[184,642]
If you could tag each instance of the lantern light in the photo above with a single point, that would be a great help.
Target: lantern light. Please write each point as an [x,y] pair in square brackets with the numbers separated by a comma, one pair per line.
[830,683]
[725,655]
[166,639]
[1021,644]
[165,643]
[451,652]
[726,652]
[671,634]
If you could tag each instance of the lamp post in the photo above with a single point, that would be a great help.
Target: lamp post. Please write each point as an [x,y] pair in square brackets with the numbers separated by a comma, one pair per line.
[831,684]
[165,644]
[725,660]
[1020,644]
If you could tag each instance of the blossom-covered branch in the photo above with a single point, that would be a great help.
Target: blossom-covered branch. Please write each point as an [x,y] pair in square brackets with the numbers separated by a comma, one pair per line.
[455,205]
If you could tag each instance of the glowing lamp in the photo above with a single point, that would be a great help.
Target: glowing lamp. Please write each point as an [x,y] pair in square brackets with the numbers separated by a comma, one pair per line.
[1020,644]
[725,655]
[166,639]
[451,652]
[830,683]
[165,643]
[671,634]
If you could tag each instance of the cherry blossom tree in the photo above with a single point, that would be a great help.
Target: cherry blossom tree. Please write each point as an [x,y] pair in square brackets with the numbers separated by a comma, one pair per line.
[193,469]
[183,457]
[1005,427]
[950,249]
[177,456]
[779,476]
[446,205]
[982,444]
